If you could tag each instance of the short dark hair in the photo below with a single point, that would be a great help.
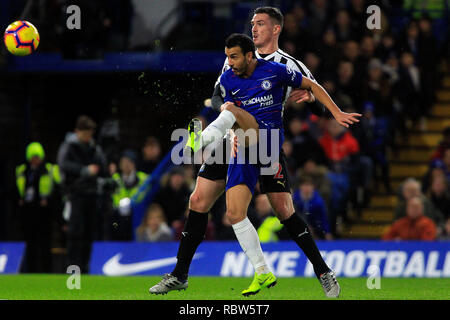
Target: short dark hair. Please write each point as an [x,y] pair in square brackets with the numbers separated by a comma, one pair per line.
[241,40]
[274,13]
[306,179]
[85,123]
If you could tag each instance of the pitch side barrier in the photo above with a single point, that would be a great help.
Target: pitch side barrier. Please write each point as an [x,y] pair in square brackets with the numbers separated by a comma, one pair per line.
[11,255]
[214,258]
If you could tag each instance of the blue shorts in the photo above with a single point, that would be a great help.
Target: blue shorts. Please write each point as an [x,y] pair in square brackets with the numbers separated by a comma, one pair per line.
[242,171]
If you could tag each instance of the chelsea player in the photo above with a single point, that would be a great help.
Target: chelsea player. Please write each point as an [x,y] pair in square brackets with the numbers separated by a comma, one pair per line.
[253,95]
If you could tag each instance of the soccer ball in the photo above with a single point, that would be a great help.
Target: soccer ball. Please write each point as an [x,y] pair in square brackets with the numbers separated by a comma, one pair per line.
[21,38]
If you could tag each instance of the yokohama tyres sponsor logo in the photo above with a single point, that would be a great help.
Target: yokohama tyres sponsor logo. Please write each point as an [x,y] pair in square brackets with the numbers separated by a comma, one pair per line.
[262,99]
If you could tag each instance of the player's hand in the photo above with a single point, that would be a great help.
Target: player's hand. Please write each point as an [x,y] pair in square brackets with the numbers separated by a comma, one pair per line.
[346,119]
[225,105]
[301,95]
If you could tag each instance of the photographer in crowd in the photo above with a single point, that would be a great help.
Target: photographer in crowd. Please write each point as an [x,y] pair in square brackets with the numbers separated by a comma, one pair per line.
[83,172]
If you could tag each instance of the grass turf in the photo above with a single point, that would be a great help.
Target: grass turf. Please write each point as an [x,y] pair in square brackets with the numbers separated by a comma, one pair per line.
[53,287]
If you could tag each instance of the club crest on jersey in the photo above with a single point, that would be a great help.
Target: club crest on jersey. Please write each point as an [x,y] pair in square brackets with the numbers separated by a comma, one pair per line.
[266,85]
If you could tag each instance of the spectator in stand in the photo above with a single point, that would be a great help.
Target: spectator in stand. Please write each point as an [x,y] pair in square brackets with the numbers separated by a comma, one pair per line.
[372,137]
[443,145]
[174,195]
[154,227]
[346,83]
[313,63]
[319,14]
[329,51]
[352,53]
[83,166]
[412,188]
[377,89]
[343,27]
[439,194]
[367,48]
[358,16]
[445,235]
[428,55]
[339,146]
[410,40]
[443,164]
[415,226]
[312,207]
[319,175]
[151,154]
[302,139]
[343,151]
[269,226]
[386,46]
[409,90]
[294,38]
[34,183]
[128,181]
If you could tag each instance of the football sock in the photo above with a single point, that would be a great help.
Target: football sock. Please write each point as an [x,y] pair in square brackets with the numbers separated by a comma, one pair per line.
[193,234]
[299,232]
[249,241]
[218,128]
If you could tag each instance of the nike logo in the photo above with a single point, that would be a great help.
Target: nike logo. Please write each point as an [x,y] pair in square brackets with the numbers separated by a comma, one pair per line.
[301,234]
[234,92]
[184,233]
[113,267]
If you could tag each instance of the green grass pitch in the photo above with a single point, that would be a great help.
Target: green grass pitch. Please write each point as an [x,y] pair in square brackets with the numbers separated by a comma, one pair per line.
[53,287]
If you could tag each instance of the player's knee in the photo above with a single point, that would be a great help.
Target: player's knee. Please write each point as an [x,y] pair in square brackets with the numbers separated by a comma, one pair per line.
[234,216]
[198,203]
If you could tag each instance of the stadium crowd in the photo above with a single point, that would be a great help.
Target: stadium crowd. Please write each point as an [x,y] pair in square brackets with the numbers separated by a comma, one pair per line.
[389,75]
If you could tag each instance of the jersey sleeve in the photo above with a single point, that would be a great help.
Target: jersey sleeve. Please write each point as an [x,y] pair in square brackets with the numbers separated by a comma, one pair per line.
[289,76]
[224,88]
[225,67]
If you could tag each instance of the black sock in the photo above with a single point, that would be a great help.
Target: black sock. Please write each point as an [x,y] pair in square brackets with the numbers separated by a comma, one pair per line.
[299,232]
[193,234]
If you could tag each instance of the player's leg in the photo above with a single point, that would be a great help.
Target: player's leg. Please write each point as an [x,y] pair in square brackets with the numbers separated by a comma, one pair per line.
[298,230]
[225,121]
[277,188]
[240,187]
[209,186]
[238,199]
[203,197]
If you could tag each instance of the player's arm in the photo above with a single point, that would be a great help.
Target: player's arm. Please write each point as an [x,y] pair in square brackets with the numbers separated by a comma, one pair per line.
[216,99]
[319,92]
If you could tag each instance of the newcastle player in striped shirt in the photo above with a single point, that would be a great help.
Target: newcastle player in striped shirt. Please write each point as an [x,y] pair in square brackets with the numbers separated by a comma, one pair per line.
[267,24]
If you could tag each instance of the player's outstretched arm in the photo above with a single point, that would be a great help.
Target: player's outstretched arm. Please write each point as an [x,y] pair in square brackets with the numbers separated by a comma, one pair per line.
[319,92]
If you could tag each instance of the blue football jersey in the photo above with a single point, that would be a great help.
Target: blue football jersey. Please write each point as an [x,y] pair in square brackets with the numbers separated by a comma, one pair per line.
[261,94]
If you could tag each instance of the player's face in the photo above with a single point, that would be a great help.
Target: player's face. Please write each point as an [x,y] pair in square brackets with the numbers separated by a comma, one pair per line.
[263,29]
[237,61]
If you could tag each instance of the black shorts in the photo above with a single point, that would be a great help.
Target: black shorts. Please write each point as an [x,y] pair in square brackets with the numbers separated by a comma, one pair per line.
[278,182]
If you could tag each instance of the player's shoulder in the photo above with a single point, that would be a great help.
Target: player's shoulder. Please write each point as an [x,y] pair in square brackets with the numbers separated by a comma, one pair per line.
[226,75]
[270,64]
[291,62]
